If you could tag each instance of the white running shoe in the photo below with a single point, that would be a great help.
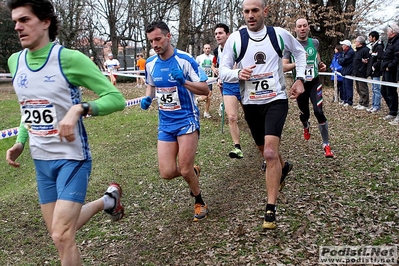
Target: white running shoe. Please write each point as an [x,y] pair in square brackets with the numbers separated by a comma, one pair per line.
[395,122]
[374,111]
[115,191]
[389,117]
[361,107]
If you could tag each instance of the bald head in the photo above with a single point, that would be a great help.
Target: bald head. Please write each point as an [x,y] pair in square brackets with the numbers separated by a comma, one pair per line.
[207,49]
[254,12]
[261,3]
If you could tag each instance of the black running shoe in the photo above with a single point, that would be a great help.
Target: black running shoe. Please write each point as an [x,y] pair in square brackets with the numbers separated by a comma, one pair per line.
[286,169]
[270,220]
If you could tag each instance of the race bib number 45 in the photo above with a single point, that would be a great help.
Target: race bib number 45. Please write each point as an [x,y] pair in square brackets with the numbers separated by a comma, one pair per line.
[39,117]
[168,98]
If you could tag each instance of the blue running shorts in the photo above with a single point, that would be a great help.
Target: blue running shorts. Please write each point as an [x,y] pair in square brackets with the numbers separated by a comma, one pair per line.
[62,180]
[232,89]
[170,133]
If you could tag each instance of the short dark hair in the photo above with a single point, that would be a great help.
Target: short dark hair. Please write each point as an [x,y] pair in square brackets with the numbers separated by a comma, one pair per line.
[374,34]
[222,25]
[157,25]
[339,48]
[43,9]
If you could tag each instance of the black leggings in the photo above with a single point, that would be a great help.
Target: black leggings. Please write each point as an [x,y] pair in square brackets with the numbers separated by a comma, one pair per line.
[313,91]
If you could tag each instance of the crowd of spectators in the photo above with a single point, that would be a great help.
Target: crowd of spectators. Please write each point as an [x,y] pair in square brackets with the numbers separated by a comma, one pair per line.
[374,60]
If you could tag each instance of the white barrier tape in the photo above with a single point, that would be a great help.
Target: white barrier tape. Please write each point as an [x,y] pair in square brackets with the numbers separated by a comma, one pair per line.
[130,74]
[386,83]
[8,133]
[132,71]
[12,132]
[123,74]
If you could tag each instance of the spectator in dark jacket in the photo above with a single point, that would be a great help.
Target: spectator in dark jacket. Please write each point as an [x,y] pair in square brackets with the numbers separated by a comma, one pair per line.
[335,66]
[389,67]
[374,70]
[346,61]
[360,61]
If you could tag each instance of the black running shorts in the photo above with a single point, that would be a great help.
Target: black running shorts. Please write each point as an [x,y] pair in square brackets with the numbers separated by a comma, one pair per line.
[266,119]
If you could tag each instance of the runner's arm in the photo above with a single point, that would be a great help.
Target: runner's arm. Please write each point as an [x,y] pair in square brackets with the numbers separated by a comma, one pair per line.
[226,66]
[22,131]
[80,71]
[197,78]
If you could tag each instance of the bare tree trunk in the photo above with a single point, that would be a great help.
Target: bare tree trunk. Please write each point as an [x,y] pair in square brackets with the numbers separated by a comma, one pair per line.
[349,14]
[112,19]
[184,25]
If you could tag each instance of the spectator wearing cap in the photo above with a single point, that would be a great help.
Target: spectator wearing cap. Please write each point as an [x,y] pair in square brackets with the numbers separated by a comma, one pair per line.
[112,65]
[360,61]
[346,61]
[389,67]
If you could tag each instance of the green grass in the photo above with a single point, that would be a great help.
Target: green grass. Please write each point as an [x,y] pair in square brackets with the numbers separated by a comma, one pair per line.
[349,200]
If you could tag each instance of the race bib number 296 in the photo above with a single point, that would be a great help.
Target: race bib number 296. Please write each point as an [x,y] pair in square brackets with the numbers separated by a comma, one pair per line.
[39,117]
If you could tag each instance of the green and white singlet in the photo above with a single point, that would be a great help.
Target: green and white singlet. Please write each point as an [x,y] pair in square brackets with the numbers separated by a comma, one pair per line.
[47,83]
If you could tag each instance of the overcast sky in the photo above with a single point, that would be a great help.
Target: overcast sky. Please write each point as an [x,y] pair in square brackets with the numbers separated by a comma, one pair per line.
[388,13]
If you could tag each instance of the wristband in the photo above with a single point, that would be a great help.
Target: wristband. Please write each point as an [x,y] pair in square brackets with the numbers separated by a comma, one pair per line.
[86,108]
[301,79]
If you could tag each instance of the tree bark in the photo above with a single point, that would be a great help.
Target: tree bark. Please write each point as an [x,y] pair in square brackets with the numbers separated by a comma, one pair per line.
[184,25]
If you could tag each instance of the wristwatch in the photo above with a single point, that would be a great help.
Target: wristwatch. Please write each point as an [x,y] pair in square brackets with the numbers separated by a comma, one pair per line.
[86,108]
[301,79]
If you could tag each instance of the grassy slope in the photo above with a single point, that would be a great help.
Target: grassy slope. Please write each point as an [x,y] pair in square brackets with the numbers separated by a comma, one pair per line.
[351,199]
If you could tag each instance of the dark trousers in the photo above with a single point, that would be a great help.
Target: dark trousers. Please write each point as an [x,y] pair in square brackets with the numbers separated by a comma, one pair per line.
[390,94]
[363,90]
[347,85]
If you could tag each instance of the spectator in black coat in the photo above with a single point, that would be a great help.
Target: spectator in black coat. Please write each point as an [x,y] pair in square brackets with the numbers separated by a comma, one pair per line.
[374,69]
[360,61]
[389,67]
[346,61]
